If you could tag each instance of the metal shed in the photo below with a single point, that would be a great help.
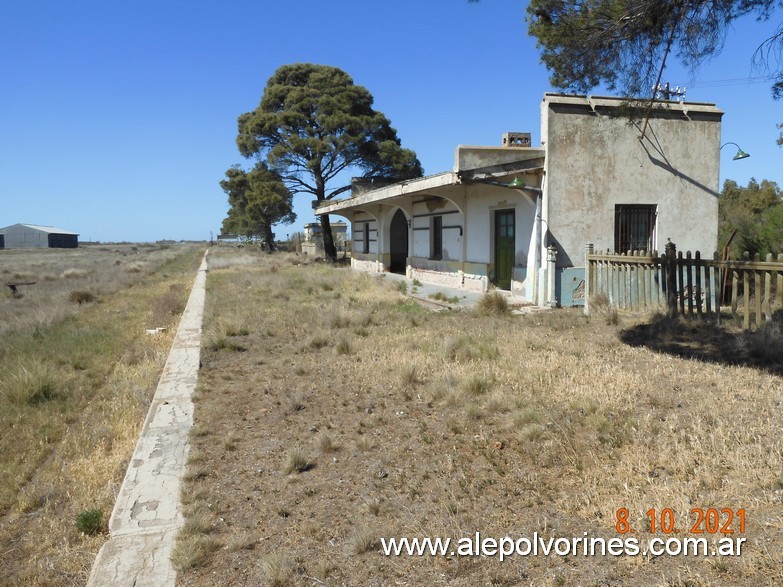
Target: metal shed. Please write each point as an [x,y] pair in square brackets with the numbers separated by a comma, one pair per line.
[35,236]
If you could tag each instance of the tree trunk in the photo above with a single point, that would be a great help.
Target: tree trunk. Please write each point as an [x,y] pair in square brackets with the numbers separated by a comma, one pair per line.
[269,237]
[330,251]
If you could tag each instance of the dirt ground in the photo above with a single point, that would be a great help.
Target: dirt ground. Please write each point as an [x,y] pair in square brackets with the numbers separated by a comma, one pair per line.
[333,412]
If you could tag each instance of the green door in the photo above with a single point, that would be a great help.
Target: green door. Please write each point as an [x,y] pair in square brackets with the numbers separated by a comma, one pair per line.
[504,248]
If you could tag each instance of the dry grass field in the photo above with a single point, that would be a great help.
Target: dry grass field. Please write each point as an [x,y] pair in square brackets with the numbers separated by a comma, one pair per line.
[332,412]
[77,372]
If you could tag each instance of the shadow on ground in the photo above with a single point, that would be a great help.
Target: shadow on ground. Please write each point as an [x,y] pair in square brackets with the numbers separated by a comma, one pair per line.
[706,341]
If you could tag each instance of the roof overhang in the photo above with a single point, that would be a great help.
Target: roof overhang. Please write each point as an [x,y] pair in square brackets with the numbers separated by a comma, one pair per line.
[389,193]
[472,165]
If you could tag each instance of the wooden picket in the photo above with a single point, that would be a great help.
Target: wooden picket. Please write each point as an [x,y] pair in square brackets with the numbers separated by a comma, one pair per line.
[687,285]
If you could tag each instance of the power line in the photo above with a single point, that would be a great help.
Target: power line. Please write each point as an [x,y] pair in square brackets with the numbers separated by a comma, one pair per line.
[739,81]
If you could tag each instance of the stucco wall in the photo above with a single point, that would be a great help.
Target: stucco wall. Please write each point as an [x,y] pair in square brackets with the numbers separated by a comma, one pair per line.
[423,213]
[482,203]
[467,213]
[596,159]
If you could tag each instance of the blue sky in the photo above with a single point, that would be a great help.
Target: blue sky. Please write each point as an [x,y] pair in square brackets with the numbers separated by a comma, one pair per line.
[118,119]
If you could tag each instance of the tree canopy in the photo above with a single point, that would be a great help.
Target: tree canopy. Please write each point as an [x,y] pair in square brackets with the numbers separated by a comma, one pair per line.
[258,199]
[624,43]
[313,125]
[756,213]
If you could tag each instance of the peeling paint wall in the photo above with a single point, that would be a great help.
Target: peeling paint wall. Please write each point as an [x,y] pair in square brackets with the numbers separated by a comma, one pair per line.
[466,215]
[364,231]
[597,158]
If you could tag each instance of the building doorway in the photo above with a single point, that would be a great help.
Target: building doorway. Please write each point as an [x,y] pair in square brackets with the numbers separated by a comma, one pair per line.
[504,248]
[398,243]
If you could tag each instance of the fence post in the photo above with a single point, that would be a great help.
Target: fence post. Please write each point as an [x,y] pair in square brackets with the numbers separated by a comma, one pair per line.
[779,292]
[670,269]
[551,257]
[588,281]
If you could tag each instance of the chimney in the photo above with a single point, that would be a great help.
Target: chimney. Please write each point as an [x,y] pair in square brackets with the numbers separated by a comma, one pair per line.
[516,139]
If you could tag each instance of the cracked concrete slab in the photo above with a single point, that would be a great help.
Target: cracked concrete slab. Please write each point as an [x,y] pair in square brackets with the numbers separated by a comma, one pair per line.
[147,513]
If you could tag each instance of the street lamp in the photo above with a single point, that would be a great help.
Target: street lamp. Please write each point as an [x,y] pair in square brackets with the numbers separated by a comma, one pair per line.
[740,153]
[517,184]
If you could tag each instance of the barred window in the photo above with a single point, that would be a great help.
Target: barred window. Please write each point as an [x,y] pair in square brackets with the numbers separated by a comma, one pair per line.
[634,227]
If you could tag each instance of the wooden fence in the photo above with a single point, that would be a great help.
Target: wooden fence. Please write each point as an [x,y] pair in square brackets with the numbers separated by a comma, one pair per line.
[749,290]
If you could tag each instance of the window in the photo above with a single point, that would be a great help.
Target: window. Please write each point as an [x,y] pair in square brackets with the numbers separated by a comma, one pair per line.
[366,237]
[436,237]
[634,228]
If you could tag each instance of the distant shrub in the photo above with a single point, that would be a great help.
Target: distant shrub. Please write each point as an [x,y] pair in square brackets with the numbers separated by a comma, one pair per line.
[81,297]
[441,297]
[220,343]
[465,348]
[74,274]
[343,347]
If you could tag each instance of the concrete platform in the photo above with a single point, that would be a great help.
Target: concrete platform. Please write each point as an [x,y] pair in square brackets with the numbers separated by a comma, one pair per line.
[147,513]
[466,299]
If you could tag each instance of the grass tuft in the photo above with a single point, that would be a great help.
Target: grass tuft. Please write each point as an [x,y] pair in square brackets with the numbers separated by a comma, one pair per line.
[297,462]
[278,570]
[343,347]
[32,384]
[192,551]
[327,444]
[89,521]
[493,303]
[363,540]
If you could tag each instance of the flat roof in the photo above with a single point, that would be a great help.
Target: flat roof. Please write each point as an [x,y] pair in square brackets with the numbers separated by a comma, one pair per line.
[594,102]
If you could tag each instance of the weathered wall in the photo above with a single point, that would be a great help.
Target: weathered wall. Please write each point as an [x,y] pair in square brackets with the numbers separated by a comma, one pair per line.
[470,157]
[360,224]
[467,213]
[596,159]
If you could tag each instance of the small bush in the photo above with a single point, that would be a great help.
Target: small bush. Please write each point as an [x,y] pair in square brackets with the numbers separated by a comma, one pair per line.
[493,303]
[89,521]
[319,342]
[343,347]
[81,297]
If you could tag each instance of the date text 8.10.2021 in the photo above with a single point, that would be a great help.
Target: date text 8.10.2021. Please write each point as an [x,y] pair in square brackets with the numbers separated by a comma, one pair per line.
[709,521]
